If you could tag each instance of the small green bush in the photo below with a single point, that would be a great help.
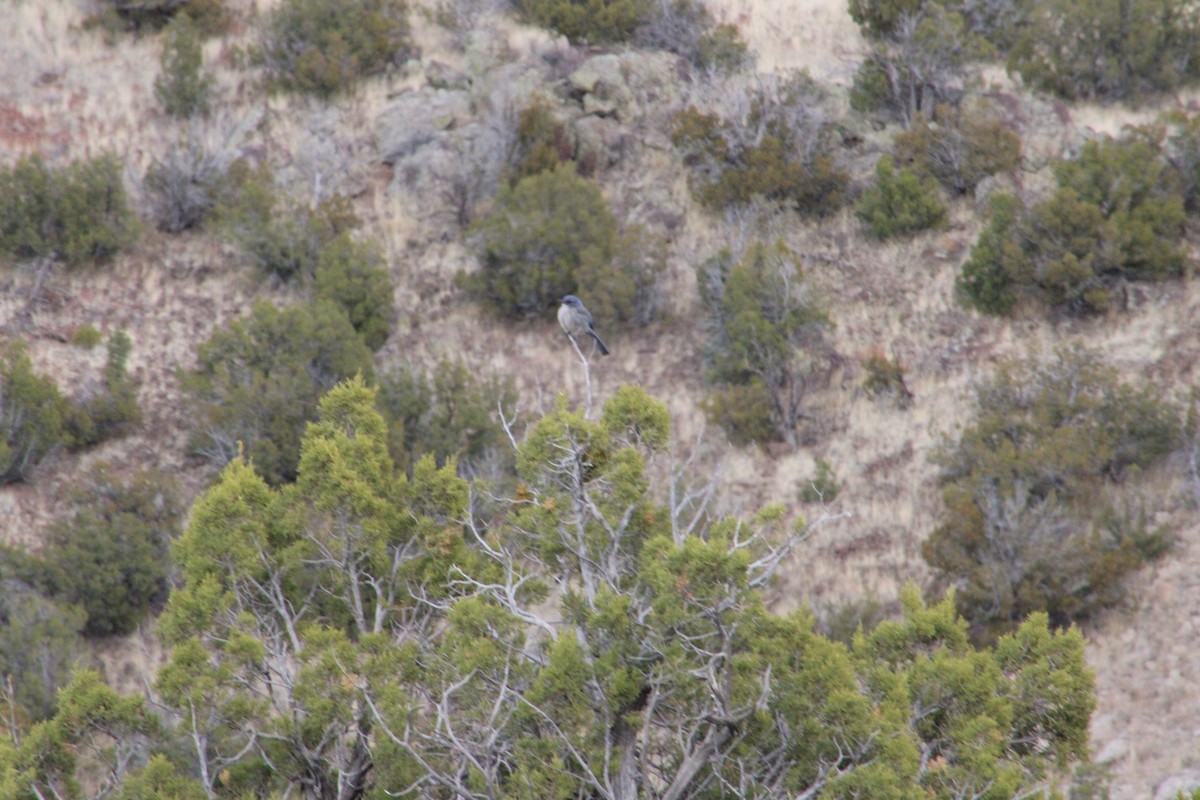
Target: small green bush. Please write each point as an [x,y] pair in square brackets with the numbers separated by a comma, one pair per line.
[452,413]
[822,487]
[32,415]
[112,555]
[280,238]
[960,147]
[112,410]
[39,636]
[86,336]
[78,213]
[210,16]
[1107,49]
[1181,150]
[871,89]
[543,142]
[1116,215]
[550,234]
[778,149]
[687,28]
[587,21]
[36,419]
[257,383]
[899,203]
[351,274]
[745,412]
[183,87]
[919,56]
[323,47]
[1027,526]
[766,343]
[885,378]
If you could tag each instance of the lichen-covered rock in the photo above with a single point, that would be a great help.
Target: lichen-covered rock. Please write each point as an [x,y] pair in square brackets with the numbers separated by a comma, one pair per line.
[412,119]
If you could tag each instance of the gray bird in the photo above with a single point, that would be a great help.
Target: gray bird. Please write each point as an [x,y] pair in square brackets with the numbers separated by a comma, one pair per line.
[577,321]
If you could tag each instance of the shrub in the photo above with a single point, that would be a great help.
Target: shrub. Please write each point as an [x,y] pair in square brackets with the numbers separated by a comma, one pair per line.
[39,637]
[1181,150]
[35,418]
[744,411]
[624,290]
[960,148]
[282,239]
[766,341]
[351,275]
[822,487]
[543,142]
[210,16]
[110,411]
[1107,49]
[919,56]
[587,21]
[86,336]
[324,47]
[78,213]
[885,378]
[1116,215]
[841,622]
[687,28]
[257,383]
[551,233]
[111,556]
[775,145]
[880,18]
[188,185]
[1026,524]
[452,413]
[899,203]
[32,415]
[183,87]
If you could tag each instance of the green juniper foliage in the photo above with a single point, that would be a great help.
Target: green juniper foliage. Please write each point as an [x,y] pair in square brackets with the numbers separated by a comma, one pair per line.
[778,147]
[32,414]
[1117,214]
[581,628]
[1027,526]
[766,343]
[591,21]
[78,213]
[899,203]
[1107,49]
[183,87]
[257,382]
[111,556]
[324,47]
[553,232]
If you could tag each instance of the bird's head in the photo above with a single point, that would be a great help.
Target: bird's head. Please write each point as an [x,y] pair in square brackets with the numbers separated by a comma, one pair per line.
[571,300]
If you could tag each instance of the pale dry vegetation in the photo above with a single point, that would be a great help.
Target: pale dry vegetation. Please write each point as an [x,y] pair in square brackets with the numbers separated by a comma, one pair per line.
[68,94]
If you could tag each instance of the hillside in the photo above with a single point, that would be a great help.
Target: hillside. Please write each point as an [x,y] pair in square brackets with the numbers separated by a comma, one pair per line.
[67,94]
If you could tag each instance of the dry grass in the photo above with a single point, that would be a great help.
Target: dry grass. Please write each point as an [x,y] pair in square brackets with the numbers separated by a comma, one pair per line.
[69,95]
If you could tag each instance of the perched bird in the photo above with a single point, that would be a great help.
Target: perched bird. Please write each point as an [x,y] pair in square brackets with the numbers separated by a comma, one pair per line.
[576,320]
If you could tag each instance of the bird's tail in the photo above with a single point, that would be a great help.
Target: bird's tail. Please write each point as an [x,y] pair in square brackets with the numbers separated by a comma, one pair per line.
[599,341]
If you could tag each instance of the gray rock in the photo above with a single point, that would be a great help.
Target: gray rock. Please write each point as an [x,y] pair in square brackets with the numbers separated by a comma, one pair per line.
[1115,750]
[597,70]
[412,120]
[600,140]
[605,93]
[627,86]
[443,76]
